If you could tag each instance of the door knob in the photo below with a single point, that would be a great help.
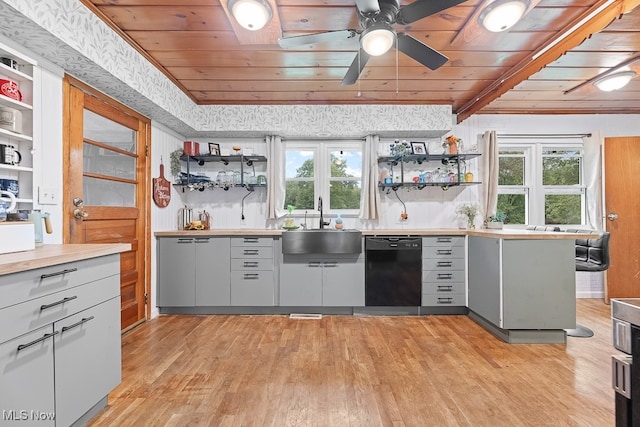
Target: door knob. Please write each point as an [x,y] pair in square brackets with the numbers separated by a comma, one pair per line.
[612,217]
[77,201]
[80,214]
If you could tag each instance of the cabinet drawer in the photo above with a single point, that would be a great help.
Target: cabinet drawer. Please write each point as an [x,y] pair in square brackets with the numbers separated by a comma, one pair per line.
[443,241]
[252,252]
[251,241]
[444,300]
[443,276]
[252,288]
[443,288]
[22,318]
[443,264]
[27,378]
[238,264]
[26,285]
[442,252]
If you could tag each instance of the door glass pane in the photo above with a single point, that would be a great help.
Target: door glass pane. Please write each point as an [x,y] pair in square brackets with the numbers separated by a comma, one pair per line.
[109,149]
[102,192]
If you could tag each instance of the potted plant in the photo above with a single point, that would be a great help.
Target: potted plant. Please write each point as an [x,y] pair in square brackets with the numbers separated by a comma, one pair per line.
[496,220]
[469,211]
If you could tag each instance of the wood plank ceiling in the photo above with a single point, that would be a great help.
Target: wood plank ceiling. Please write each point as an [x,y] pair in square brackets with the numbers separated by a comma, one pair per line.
[543,65]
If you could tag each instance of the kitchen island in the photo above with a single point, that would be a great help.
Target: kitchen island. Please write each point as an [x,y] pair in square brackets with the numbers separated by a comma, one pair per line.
[60,350]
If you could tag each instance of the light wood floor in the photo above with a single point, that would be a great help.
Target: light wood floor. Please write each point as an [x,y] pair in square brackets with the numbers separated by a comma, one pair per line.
[358,371]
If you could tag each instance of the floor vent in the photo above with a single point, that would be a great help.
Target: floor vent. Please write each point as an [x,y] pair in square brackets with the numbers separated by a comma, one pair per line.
[305,316]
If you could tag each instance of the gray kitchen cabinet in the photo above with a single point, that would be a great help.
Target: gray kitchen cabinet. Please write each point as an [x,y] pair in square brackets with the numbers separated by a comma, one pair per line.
[443,271]
[523,285]
[252,271]
[87,351]
[322,280]
[60,352]
[193,271]
[21,371]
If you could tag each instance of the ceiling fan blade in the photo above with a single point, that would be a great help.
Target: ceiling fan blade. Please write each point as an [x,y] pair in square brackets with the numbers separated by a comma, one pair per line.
[420,52]
[422,8]
[368,7]
[356,68]
[329,36]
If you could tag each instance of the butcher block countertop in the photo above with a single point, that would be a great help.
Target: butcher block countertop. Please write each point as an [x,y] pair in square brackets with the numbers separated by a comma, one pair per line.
[48,255]
[510,234]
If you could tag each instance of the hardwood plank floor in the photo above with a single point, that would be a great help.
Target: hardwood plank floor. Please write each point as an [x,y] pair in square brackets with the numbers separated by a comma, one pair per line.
[359,371]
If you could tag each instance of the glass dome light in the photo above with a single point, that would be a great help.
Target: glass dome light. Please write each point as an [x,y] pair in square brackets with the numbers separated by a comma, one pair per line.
[614,81]
[377,39]
[502,14]
[250,14]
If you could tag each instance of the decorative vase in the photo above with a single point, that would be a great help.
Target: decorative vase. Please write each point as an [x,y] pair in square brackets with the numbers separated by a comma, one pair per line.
[468,177]
[471,222]
[453,148]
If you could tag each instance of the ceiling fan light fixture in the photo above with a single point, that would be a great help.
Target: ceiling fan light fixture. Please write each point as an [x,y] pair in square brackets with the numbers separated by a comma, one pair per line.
[252,15]
[614,81]
[501,15]
[377,39]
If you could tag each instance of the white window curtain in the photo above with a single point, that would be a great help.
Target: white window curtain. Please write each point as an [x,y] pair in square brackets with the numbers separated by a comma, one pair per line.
[275,177]
[593,179]
[370,196]
[490,168]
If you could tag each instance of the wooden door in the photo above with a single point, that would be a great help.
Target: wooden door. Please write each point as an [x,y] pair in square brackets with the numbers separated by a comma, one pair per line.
[106,193]
[622,209]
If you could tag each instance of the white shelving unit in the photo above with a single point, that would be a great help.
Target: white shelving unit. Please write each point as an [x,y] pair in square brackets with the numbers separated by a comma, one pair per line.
[23,141]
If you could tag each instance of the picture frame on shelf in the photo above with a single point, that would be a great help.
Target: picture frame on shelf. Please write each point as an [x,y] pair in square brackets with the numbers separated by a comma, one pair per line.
[419,148]
[214,149]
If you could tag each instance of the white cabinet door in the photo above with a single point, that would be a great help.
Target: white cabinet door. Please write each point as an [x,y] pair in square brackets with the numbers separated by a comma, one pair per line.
[26,379]
[213,274]
[87,359]
[343,282]
[176,272]
[301,282]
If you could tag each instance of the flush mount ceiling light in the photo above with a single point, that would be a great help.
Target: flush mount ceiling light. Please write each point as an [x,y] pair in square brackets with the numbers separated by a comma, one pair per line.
[614,81]
[251,14]
[377,39]
[501,15]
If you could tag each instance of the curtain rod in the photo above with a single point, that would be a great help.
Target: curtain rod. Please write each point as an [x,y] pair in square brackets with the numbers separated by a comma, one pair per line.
[543,135]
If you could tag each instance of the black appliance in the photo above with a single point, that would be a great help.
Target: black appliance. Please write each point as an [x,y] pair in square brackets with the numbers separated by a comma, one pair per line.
[393,275]
[625,370]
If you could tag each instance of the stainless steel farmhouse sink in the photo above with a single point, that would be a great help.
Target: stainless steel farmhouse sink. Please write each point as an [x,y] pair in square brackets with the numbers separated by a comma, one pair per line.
[322,241]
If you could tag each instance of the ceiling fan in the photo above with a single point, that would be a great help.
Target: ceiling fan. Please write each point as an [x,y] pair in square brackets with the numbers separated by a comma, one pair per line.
[377,35]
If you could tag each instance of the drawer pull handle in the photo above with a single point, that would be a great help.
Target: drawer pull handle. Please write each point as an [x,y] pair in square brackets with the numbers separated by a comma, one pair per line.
[330,264]
[444,276]
[444,264]
[250,263]
[185,240]
[314,264]
[445,300]
[443,240]
[445,288]
[251,252]
[251,276]
[84,320]
[202,240]
[34,342]
[443,252]
[251,240]
[58,273]
[53,304]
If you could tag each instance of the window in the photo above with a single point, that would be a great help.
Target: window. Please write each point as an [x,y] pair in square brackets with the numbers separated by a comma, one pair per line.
[541,183]
[331,170]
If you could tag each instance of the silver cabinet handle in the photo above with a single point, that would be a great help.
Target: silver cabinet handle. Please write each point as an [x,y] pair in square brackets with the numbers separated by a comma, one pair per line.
[444,252]
[444,264]
[53,304]
[251,276]
[58,273]
[444,276]
[84,320]
[34,342]
[251,252]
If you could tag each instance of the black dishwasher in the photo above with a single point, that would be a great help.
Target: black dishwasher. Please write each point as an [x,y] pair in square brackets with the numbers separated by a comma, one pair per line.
[393,275]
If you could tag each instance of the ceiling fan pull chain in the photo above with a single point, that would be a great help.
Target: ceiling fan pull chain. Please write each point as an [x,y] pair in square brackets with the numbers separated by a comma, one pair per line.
[397,71]
[359,68]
